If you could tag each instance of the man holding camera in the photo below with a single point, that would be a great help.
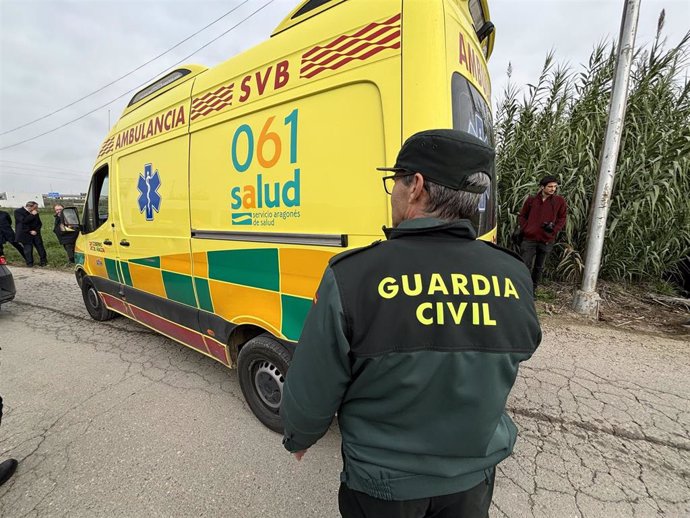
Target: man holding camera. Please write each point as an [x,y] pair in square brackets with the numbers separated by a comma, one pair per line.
[542,217]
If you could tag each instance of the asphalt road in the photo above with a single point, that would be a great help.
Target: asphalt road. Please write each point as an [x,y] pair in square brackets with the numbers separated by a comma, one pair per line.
[113,419]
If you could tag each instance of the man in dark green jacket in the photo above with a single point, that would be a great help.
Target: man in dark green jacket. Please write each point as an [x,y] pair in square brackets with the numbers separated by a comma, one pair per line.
[415,342]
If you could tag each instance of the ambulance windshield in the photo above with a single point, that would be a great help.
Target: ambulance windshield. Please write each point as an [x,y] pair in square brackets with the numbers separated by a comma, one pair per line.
[470,111]
[473,115]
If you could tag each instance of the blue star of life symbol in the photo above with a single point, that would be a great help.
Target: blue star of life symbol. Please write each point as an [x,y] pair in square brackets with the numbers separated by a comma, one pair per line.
[149,199]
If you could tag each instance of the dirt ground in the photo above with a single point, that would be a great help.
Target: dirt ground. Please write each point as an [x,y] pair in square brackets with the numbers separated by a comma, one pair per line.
[111,419]
[627,307]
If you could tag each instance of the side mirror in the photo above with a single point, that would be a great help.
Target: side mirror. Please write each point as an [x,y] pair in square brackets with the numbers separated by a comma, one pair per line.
[69,217]
[485,31]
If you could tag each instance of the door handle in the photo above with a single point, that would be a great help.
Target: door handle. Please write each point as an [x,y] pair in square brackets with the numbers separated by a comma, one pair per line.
[107,242]
[124,242]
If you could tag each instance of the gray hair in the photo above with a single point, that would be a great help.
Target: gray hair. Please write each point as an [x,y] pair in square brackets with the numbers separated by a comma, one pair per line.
[31,204]
[448,204]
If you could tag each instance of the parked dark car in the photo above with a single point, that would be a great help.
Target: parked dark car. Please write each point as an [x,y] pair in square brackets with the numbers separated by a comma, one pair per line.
[7,289]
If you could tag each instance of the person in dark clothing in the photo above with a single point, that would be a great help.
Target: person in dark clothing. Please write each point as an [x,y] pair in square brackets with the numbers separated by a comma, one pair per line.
[9,466]
[541,218]
[28,227]
[7,235]
[415,342]
[66,236]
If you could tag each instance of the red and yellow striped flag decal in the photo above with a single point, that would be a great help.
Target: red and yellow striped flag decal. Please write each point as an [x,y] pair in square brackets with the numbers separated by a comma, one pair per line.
[361,45]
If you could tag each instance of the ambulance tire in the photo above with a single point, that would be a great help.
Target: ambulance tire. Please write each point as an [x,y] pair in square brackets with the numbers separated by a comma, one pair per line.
[262,365]
[94,303]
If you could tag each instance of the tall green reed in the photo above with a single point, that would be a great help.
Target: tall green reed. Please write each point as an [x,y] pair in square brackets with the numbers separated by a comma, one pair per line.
[557,127]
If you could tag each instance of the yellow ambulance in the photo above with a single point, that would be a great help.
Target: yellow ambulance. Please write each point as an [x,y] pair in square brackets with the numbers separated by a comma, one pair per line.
[221,193]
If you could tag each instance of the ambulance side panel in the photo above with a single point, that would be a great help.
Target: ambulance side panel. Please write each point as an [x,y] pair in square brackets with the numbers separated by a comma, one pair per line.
[283,164]
[152,231]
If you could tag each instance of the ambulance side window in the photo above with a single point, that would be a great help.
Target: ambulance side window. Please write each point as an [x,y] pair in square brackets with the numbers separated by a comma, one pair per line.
[96,208]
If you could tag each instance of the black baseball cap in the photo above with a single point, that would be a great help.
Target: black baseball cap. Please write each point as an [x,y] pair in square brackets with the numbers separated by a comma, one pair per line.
[446,157]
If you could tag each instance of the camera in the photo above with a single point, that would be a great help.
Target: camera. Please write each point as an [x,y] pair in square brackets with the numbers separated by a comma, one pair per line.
[548,226]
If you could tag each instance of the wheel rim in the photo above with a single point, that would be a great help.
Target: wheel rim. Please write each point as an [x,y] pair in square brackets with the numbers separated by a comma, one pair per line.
[92,296]
[268,383]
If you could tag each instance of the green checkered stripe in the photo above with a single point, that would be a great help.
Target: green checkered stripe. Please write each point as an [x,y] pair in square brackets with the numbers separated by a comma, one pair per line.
[250,268]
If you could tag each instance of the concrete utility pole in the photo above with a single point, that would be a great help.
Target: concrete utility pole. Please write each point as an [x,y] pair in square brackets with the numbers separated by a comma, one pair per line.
[587,299]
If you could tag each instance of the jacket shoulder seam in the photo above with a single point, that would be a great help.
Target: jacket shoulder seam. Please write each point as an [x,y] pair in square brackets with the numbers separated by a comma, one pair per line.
[349,253]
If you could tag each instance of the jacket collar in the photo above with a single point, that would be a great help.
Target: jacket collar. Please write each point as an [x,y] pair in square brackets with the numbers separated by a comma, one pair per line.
[460,228]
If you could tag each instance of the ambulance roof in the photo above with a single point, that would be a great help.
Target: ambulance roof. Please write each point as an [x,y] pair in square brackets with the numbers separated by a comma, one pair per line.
[304,11]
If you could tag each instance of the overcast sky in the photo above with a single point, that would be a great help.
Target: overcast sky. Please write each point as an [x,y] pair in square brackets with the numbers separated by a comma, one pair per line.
[53,52]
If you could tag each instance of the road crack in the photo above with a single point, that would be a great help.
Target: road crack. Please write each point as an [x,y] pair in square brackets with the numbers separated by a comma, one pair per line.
[590,427]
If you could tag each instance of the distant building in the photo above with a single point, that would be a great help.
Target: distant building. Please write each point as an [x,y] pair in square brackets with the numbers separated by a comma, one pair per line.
[66,200]
[18,199]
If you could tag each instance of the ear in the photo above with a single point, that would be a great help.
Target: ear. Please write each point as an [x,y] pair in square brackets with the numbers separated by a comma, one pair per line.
[417,187]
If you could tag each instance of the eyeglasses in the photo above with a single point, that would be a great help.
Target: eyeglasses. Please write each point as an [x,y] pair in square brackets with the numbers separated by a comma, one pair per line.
[389,181]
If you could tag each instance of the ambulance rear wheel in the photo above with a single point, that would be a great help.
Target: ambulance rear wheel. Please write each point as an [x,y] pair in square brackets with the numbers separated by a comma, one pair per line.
[94,303]
[262,365]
